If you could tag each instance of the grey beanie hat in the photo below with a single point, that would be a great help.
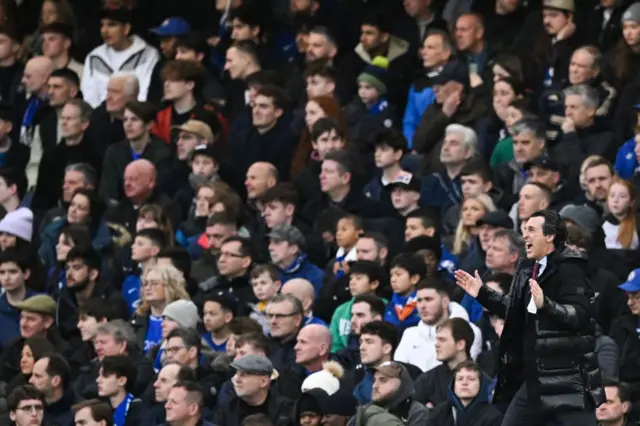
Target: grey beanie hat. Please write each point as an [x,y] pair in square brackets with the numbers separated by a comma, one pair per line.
[184,312]
[632,13]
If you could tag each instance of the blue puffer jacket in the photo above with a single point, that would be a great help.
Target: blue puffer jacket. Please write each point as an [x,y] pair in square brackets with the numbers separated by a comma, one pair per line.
[417,103]
[626,161]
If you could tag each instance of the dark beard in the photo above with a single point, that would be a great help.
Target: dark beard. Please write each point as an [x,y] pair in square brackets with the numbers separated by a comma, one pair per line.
[80,286]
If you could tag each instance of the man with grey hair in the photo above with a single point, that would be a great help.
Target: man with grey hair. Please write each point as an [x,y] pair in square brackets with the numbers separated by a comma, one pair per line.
[286,316]
[503,253]
[115,337]
[582,136]
[74,148]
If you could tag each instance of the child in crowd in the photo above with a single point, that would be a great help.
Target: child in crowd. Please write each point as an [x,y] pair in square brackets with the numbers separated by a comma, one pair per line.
[406,271]
[218,312]
[348,230]
[265,280]
[144,250]
[424,222]
[620,225]
[364,278]
[14,273]
[195,225]
[372,92]
[204,169]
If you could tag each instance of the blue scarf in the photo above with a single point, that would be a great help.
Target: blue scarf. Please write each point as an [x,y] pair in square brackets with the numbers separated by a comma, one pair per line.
[297,263]
[120,414]
[26,131]
[379,107]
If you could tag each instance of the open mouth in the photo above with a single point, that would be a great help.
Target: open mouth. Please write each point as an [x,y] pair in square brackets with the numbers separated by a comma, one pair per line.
[528,245]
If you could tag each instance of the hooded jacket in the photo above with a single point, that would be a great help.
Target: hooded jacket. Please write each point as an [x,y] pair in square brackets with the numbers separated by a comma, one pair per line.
[372,415]
[479,412]
[139,58]
[402,405]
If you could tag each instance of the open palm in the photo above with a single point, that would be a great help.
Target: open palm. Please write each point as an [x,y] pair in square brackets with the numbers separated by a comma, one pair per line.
[469,283]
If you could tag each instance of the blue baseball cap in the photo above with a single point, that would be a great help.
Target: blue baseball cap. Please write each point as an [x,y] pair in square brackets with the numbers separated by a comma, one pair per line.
[633,282]
[172,27]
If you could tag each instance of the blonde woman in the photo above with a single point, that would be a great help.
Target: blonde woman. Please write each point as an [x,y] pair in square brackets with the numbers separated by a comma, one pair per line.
[160,285]
[472,209]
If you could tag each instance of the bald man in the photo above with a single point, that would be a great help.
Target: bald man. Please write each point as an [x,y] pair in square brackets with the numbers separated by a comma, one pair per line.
[35,76]
[303,290]
[260,177]
[313,345]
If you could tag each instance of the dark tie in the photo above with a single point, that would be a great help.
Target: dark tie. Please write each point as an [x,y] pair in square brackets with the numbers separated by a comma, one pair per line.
[536,269]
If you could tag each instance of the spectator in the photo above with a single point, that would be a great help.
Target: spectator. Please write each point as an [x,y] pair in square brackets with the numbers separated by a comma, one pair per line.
[265,280]
[473,47]
[406,270]
[619,225]
[92,410]
[52,376]
[285,314]
[241,62]
[217,314]
[26,406]
[312,348]
[302,290]
[168,376]
[364,310]
[185,404]
[617,405]
[14,272]
[598,176]
[533,197]
[115,383]
[219,227]
[548,172]
[133,54]
[57,40]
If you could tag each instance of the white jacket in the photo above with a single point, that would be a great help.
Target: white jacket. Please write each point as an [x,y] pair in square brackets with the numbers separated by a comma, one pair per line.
[418,343]
[139,59]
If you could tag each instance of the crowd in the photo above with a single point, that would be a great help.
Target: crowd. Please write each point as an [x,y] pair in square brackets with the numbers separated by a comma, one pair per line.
[306,212]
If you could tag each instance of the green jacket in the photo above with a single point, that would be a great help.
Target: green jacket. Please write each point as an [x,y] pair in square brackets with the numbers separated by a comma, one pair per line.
[340,326]
[502,153]
[372,415]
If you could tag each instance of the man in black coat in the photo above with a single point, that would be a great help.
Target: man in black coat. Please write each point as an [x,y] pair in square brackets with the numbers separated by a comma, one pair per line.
[548,368]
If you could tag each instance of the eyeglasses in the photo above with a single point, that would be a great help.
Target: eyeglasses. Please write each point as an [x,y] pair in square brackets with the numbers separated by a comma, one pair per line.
[31,408]
[281,316]
[229,254]
[151,284]
[174,349]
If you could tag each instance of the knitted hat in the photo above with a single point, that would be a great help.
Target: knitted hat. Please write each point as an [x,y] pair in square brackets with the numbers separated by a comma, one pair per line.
[632,13]
[375,74]
[327,379]
[184,312]
[18,223]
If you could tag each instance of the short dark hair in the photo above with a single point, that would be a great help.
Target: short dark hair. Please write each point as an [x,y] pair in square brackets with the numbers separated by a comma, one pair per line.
[419,245]
[392,138]
[22,393]
[503,280]
[283,192]
[100,410]
[244,325]
[624,391]
[194,392]
[579,237]
[344,160]
[221,218]
[600,161]
[67,75]
[428,217]
[179,259]
[377,18]
[411,263]
[247,13]
[380,240]
[257,340]
[477,168]
[226,302]
[246,246]
[190,338]
[17,177]
[447,43]
[57,365]
[279,96]
[120,366]
[195,41]
[259,419]
[19,257]
[376,304]
[460,330]
[88,255]
[387,332]
[247,47]
[373,270]
[468,365]
[266,268]
[321,68]
[184,70]
[358,222]
[553,225]
[145,111]
[96,307]
[157,236]
[433,283]
[326,125]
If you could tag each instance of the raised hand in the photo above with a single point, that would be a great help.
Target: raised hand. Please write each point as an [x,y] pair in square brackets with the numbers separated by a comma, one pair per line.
[469,283]
[536,293]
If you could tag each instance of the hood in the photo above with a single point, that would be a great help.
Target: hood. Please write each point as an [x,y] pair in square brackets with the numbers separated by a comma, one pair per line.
[404,392]
[481,398]
[373,415]
[397,47]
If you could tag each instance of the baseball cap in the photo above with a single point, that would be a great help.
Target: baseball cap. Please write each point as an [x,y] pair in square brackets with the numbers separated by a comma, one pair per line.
[254,364]
[498,219]
[39,304]
[172,27]
[632,14]
[454,70]
[391,369]
[543,162]
[632,284]
[206,150]
[198,128]
[583,216]
[567,5]
[406,181]
[287,233]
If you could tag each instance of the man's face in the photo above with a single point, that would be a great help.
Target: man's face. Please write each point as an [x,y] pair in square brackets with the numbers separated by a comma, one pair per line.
[371,37]
[328,142]
[416,8]
[531,199]
[415,228]
[633,302]
[307,349]
[113,33]
[39,377]
[486,235]
[168,47]
[167,377]
[383,387]
[366,249]
[544,176]
[498,255]
[361,315]
[33,78]
[453,150]
[77,273]
[319,48]
[71,125]
[242,31]
[185,54]
[599,180]
[631,33]
[582,68]
[73,180]
[433,52]
[403,199]
[106,345]
[509,6]
[526,147]
[116,96]
[54,45]
[575,109]
[372,349]
[6,47]
[176,89]
[280,251]
[246,384]
[214,317]
[612,410]
[178,406]
[178,352]
[231,262]
[137,182]
[30,412]
[431,306]
[466,384]
[87,326]
[535,241]
[235,63]
[331,176]
[185,144]
[11,276]
[142,249]
[386,156]
[134,127]
[446,347]
[216,234]
[282,320]
[277,213]
[264,112]
[84,417]
[554,20]
[32,324]
[473,185]
[257,181]
[467,33]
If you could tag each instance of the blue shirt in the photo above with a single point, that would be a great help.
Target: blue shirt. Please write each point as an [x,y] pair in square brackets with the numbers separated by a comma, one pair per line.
[131,292]
[218,348]
[154,333]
